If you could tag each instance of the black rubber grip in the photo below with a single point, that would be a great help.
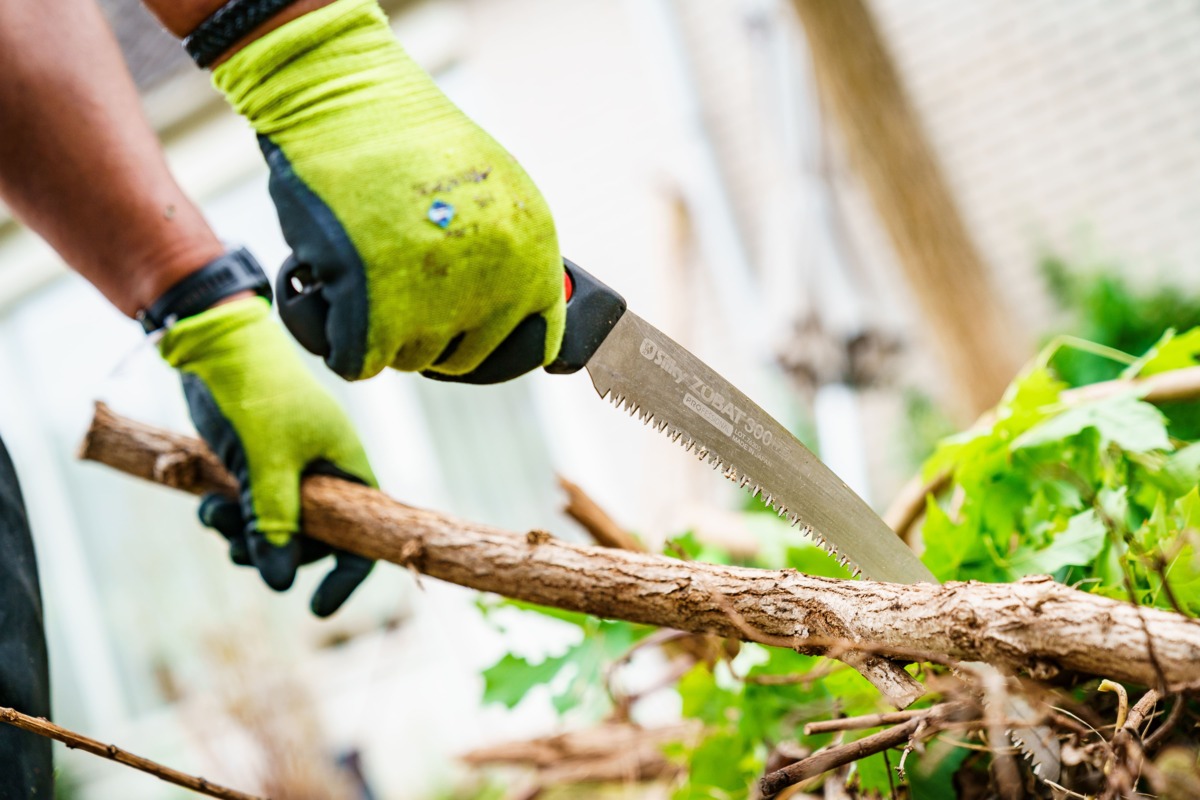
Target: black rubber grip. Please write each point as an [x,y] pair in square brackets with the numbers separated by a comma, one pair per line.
[302,306]
[592,311]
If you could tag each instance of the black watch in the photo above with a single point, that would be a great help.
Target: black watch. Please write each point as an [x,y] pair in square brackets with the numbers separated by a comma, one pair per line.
[227,26]
[236,271]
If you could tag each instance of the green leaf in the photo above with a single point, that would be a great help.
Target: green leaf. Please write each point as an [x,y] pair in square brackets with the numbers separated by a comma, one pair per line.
[1077,545]
[1123,419]
[703,699]
[689,547]
[1028,401]
[1171,352]
[812,560]
[511,678]
[575,678]
[931,772]
[1182,469]
[955,551]
[874,773]
[723,765]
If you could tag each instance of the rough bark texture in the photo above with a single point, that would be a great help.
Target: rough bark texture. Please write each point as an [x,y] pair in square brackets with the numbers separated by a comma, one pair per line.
[979,341]
[1035,624]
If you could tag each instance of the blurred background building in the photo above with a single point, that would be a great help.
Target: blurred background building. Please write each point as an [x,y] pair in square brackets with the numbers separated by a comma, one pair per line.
[693,164]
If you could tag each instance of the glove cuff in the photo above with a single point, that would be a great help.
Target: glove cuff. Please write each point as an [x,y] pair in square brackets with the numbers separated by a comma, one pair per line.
[211,333]
[276,81]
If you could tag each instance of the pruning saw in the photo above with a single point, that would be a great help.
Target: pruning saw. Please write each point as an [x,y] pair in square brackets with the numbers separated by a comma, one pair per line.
[651,377]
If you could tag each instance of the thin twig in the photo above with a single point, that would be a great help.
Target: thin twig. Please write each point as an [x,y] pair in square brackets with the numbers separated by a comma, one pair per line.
[595,520]
[1125,766]
[865,721]
[75,741]
[1114,533]
[1152,741]
[834,757]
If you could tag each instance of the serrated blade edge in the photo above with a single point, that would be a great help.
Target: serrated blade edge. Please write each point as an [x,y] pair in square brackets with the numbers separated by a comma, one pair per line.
[647,374]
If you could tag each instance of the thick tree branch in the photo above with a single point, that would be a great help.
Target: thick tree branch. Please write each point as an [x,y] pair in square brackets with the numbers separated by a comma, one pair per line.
[1033,624]
[77,741]
[889,677]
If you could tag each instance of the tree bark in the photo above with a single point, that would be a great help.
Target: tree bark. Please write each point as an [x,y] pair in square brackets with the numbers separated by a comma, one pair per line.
[979,341]
[1034,624]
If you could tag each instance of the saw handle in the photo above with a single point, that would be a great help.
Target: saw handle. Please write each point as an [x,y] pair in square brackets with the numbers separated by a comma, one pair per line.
[592,311]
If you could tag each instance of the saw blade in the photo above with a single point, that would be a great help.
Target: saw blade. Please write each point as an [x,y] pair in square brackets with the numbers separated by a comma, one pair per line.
[644,372]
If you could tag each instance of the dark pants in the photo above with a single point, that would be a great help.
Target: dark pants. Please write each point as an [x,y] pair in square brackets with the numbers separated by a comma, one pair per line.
[25,767]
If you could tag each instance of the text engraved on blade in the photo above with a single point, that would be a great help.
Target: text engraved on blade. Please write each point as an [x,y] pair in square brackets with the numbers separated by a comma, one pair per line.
[722,412]
[713,418]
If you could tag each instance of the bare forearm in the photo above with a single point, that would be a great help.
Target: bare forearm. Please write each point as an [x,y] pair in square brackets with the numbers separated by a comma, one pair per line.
[78,162]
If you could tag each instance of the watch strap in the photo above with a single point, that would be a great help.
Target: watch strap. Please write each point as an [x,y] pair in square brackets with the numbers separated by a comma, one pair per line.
[228,25]
[236,271]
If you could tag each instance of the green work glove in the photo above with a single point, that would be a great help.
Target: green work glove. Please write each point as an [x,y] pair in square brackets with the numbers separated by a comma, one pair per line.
[269,421]
[429,242]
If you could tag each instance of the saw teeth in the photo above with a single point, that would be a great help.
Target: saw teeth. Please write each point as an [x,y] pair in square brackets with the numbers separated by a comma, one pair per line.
[697,448]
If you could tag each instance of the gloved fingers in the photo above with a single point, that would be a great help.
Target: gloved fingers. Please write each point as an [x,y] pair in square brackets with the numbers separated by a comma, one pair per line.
[277,564]
[350,569]
[224,515]
[556,325]
[312,550]
[469,350]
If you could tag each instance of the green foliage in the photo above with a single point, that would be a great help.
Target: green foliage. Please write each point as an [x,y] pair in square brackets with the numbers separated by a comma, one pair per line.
[1102,494]
[575,677]
[1110,312]
[1097,493]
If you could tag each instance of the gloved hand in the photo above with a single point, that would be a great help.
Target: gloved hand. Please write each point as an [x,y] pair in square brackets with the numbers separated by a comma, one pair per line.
[430,241]
[269,421]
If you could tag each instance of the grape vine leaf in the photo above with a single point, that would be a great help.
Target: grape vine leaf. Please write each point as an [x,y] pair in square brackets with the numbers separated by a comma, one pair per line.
[1076,545]
[1131,424]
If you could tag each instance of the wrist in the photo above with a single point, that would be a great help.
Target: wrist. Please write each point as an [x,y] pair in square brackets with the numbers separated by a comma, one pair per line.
[228,277]
[152,274]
